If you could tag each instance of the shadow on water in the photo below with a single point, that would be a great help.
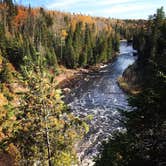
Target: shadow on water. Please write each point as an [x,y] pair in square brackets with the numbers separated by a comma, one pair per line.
[100,96]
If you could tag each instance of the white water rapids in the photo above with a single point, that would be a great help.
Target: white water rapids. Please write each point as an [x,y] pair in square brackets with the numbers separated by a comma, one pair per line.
[100,96]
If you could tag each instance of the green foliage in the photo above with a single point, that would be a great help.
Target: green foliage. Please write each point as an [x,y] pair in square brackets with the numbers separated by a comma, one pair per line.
[144,141]
[24,34]
[5,74]
[86,47]
[46,125]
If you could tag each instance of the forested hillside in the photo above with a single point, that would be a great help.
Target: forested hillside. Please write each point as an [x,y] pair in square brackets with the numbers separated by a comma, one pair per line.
[144,143]
[71,40]
[63,38]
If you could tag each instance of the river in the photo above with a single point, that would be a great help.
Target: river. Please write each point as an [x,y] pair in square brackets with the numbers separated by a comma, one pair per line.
[100,96]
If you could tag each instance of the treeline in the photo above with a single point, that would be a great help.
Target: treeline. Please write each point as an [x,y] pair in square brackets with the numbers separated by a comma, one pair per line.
[127,28]
[85,46]
[144,143]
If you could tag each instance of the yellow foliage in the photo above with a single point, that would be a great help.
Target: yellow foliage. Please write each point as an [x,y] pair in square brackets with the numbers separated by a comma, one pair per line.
[85,19]
[64,33]
[64,159]
[81,18]
[3,100]
[3,112]
[72,134]
[10,67]
[1,59]
[2,136]
[86,127]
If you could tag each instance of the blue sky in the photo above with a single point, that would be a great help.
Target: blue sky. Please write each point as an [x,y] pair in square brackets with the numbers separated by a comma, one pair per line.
[106,8]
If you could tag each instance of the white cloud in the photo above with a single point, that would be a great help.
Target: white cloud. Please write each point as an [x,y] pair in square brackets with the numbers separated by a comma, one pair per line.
[113,2]
[62,4]
[127,8]
[126,11]
[91,5]
[66,4]
[107,8]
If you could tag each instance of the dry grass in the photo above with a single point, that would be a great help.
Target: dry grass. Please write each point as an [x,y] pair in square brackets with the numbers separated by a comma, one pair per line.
[64,74]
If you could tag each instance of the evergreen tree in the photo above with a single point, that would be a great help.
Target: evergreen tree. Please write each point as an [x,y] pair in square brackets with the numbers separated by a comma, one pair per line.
[70,52]
[109,48]
[84,57]
[88,44]
[77,42]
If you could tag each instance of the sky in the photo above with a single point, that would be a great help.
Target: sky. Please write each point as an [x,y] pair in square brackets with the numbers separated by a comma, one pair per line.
[122,9]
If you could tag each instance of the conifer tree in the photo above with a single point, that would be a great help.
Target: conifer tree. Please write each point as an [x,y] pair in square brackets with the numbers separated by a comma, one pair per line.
[109,48]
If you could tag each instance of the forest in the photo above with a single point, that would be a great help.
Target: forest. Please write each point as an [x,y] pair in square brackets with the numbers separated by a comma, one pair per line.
[37,127]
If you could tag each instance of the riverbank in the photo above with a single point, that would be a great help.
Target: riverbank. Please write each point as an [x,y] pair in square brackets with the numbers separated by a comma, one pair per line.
[130,80]
[70,78]
[67,79]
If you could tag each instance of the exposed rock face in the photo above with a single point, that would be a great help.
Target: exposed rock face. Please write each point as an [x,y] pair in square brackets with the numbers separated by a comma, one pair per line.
[131,79]
[132,75]
[66,90]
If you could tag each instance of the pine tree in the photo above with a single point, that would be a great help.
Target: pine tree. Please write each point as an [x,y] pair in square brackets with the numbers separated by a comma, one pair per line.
[77,42]
[88,43]
[109,48]
[70,55]
[84,57]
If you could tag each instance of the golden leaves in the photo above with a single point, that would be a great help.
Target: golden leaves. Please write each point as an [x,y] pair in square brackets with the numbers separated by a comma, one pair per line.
[3,100]
[21,17]
[64,33]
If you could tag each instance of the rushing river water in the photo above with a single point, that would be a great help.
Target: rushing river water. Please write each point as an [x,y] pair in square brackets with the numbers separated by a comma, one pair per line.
[100,96]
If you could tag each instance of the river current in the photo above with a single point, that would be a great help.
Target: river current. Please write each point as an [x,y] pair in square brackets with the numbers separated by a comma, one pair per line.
[100,96]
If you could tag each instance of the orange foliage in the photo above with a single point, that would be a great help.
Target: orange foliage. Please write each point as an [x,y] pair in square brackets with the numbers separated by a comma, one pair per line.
[2,6]
[73,24]
[85,19]
[21,17]
[23,14]
[35,11]
[64,33]
[81,18]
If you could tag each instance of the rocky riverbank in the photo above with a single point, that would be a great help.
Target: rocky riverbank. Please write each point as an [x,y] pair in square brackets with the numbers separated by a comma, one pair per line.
[130,80]
[71,78]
